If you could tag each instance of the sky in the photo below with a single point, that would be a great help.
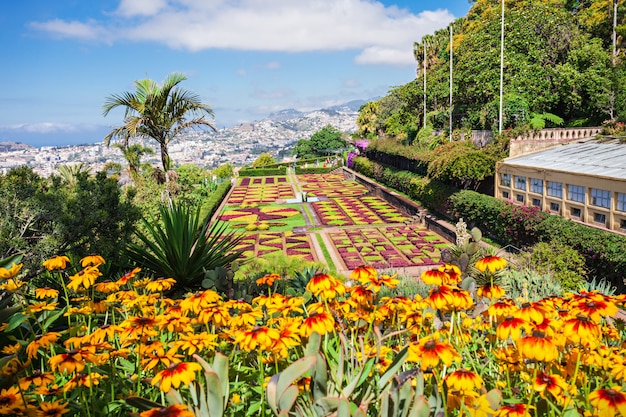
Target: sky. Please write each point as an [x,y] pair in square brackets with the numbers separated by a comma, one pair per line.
[245,58]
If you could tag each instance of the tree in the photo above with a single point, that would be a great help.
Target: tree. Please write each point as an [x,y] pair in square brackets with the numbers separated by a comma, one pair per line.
[224,171]
[325,141]
[461,164]
[264,159]
[158,112]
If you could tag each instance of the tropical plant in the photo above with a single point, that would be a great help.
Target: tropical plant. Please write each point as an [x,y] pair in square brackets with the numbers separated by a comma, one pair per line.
[158,112]
[263,160]
[133,153]
[180,244]
[70,173]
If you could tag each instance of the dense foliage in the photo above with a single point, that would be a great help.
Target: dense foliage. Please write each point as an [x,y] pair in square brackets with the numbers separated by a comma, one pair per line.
[43,216]
[326,141]
[558,67]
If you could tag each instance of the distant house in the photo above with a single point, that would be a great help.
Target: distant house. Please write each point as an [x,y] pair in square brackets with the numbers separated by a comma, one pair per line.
[583,181]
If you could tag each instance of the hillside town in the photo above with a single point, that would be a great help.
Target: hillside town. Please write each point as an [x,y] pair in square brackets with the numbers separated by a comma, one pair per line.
[239,145]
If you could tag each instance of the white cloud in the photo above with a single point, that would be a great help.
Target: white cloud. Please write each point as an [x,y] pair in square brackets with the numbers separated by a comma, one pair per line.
[49,127]
[271,25]
[140,7]
[88,31]
[272,65]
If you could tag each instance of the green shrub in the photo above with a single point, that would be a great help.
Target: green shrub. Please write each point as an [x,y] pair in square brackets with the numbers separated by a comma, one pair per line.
[263,172]
[559,261]
[212,203]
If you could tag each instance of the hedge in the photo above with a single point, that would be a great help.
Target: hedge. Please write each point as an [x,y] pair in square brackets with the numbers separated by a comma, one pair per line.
[432,194]
[524,226]
[313,170]
[212,203]
[506,222]
[262,172]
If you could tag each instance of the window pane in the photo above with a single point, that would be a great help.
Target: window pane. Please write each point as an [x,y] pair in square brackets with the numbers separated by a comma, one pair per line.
[621,201]
[600,198]
[520,183]
[505,180]
[536,185]
[576,193]
[555,189]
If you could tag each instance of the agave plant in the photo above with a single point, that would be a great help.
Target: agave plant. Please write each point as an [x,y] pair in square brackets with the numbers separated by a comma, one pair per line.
[180,244]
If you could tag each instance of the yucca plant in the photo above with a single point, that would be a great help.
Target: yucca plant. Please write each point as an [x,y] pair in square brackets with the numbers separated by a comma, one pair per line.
[180,244]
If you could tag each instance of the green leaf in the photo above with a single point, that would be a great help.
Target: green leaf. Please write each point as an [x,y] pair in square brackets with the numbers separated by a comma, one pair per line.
[142,404]
[11,260]
[393,369]
[15,321]
[288,398]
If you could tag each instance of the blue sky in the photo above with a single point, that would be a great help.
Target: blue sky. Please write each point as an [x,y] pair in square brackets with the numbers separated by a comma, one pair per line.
[246,58]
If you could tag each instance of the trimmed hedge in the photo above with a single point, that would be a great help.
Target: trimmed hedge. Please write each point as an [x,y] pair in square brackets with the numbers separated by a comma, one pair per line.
[524,226]
[212,203]
[263,172]
[320,170]
[506,222]
[432,194]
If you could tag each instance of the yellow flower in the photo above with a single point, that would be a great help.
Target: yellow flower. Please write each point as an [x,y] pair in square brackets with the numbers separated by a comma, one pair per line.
[160,285]
[12,285]
[464,380]
[177,410]
[46,292]
[430,352]
[53,409]
[321,322]
[262,337]
[537,347]
[11,272]
[490,262]
[196,342]
[175,375]
[56,262]
[92,260]
[609,402]
[325,286]
[86,278]
[43,306]
[12,349]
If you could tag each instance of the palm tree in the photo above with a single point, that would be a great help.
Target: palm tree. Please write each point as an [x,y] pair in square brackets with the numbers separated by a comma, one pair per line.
[159,112]
[69,173]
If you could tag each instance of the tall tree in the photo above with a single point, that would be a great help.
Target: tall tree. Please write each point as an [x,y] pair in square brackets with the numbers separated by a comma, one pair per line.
[132,154]
[159,112]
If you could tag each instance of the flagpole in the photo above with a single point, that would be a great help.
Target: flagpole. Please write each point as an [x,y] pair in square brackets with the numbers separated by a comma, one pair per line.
[424,83]
[450,127]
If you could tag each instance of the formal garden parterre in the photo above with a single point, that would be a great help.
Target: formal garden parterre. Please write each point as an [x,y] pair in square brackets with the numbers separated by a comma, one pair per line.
[268,210]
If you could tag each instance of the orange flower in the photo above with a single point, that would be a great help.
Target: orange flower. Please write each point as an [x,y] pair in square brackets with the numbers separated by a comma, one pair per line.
[56,262]
[595,307]
[554,384]
[375,282]
[73,360]
[37,378]
[41,341]
[268,279]
[128,276]
[453,271]
[532,312]
[177,410]
[175,375]
[261,336]
[501,308]
[435,277]
[537,347]
[609,402]
[196,342]
[582,329]
[321,322]
[10,400]
[511,327]
[464,380]
[325,286]
[430,352]
[513,410]
[490,291]
[491,263]
[362,274]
